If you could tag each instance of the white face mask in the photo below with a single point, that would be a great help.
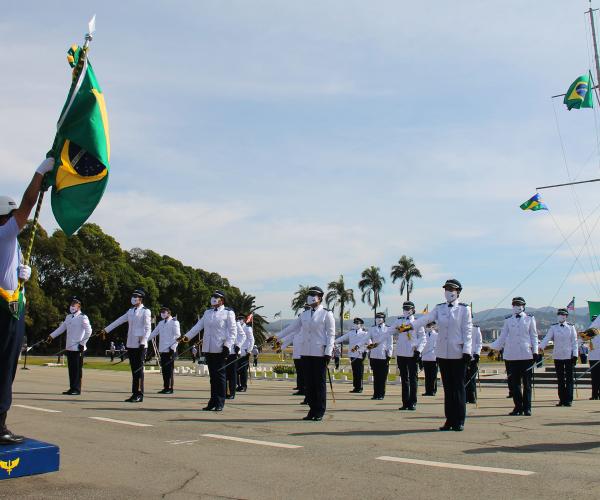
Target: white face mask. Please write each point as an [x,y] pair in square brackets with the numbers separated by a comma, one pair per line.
[518,309]
[312,300]
[407,313]
[214,301]
[451,296]
[562,318]
[357,327]
[164,315]
[379,321]
[135,301]
[73,309]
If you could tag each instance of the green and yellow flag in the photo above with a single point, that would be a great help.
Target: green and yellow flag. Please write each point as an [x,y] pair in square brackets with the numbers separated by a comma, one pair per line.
[580,94]
[81,148]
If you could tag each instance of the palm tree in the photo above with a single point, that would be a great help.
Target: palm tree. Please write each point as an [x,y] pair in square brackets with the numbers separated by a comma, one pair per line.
[370,285]
[405,271]
[243,303]
[299,299]
[337,294]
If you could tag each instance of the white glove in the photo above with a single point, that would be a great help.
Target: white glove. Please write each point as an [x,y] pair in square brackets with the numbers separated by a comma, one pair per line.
[24,272]
[46,166]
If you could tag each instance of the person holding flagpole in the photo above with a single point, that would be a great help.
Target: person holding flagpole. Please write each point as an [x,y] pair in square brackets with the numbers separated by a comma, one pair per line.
[13,273]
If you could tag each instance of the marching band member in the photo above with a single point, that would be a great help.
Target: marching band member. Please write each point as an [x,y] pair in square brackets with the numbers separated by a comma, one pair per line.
[453,351]
[220,332]
[315,333]
[564,354]
[168,331]
[519,340]
[380,353]
[358,338]
[473,366]
[409,346]
[78,328]
[138,319]
[429,360]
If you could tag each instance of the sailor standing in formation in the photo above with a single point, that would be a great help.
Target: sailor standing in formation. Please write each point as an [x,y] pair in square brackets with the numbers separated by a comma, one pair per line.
[453,351]
[429,360]
[473,366]
[12,300]
[231,363]
[168,331]
[244,361]
[519,340]
[139,320]
[315,332]
[408,348]
[220,331]
[357,338]
[380,353]
[78,328]
[565,351]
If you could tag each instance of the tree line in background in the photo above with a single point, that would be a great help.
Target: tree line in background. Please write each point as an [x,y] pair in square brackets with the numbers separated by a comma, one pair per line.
[370,284]
[92,266]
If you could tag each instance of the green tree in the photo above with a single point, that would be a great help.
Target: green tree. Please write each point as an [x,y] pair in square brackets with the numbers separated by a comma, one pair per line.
[339,295]
[405,271]
[299,300]
[370,285]
[243,303]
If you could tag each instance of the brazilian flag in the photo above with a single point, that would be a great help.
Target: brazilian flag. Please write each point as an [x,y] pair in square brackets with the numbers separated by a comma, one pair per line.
[81,147]
[580,94]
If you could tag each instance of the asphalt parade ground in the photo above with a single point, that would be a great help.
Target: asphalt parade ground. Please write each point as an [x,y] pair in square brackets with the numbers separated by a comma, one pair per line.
[259,448]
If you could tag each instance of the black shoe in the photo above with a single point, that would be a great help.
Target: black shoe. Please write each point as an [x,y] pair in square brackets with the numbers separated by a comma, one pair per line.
[375,397]
[509,396]
[527,413]
[169,391]
[218,408]
[310,416]
[560,403]
[208,408]
[354,390]
[515,413]
[72,392]
[594,398]
[163,391]
[298,393]
[7,437]
[567,404]
[242,389]
[229,397]
[137,399]
[380,398]
[294,389]
[130,399]
[426,394]
[446,427]
[403,408]
[238,388]
[67,392]
[411,408]
[458,428]
[471,401]
[304,402]
[318,418]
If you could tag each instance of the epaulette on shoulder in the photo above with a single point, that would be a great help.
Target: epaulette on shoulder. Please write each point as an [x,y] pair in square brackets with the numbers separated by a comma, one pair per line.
[530,315]
[554,324]
[570,324]
[441,304]
[228,308]
[506,317]
[463,304]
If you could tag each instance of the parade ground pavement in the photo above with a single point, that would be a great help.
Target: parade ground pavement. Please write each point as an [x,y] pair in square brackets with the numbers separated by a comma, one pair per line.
[259,448]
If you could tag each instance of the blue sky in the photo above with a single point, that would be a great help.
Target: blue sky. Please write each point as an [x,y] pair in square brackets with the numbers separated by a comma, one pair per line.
[285,143]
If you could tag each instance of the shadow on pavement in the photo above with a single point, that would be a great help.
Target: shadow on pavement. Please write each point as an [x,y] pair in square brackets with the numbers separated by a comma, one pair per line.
[536,448]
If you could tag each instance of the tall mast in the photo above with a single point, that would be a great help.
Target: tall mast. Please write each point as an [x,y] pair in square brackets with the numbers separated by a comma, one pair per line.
[591,13]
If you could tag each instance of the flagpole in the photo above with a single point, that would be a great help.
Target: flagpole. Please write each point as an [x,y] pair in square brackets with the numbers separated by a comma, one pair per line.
[566,184]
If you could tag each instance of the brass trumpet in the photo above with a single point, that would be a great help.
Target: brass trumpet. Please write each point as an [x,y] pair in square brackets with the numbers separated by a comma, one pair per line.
[589,334]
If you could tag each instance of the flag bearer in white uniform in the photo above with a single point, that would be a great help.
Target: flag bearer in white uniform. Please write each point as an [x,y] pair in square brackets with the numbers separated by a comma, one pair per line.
[78,328]
[380,353]
[316,334]
[168,331]
[565,351]
[357,338]
[453,351]
[519,339]
[138,319]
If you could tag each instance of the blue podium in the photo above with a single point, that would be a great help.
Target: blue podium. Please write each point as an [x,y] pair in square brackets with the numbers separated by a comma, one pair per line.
[28,458]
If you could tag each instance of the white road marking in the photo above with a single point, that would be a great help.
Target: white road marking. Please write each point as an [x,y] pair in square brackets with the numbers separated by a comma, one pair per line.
[176,442]
[38,409]
[253,441]
[125,422]
[457,466]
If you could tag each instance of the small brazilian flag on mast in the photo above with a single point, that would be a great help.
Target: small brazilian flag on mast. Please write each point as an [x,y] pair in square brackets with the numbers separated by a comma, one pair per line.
[534,203]
[81,148]
[580,94]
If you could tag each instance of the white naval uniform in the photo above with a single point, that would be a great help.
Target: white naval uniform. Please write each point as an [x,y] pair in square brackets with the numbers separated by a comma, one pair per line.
[428,353]
[594,354]
[316,331]
[240,338]
[564,336]
[408,342]
[455,327]
[356,337]
[249,343]
[78,330]
[518,338]
[219,329]
[383,339]
[477,342]
[168,331]
[139,319]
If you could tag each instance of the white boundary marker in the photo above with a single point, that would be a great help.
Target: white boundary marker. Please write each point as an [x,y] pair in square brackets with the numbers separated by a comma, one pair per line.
[253,441]
[125,422]
[37,409]
[446,465]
